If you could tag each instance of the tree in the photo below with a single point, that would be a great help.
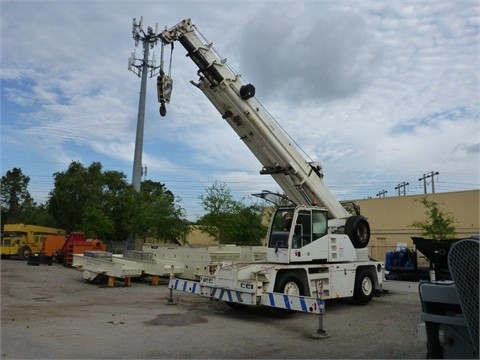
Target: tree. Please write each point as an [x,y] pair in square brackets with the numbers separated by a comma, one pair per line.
[37,214]
[91,200]
[158,214]
[438,225]
[103,205]
[230,221]
[15,197]
[97,224]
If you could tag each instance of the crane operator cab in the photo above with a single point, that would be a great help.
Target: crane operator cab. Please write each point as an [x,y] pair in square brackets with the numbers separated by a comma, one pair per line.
[301,234]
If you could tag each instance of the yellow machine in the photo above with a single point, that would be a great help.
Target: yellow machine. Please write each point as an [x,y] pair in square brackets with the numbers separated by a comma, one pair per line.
[24,240]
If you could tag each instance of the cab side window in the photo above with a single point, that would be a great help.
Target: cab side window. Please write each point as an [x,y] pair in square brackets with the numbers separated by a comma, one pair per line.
[319,225]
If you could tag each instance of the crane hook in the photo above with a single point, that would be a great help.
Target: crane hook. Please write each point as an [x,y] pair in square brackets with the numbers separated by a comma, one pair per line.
[163,110]
[164,91]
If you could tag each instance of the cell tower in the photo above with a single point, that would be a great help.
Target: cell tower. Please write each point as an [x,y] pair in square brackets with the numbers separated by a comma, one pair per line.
[140,67]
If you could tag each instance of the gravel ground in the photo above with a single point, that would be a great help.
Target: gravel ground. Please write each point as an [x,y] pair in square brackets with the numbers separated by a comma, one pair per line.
[49,312]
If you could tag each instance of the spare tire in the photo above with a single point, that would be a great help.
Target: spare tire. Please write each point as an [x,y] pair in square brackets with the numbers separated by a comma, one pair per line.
[358,230]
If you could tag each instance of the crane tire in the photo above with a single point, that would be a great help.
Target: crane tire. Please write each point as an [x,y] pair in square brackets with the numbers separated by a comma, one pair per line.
[290,284]
[24,252]
[364,286]
[358,230]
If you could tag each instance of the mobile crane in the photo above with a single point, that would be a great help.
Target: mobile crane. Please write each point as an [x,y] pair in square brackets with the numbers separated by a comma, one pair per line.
[24,240]
[323,255]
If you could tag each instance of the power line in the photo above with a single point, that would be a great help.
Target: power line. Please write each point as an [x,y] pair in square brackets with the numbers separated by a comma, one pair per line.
[382,193]
[400,186]
[425,177]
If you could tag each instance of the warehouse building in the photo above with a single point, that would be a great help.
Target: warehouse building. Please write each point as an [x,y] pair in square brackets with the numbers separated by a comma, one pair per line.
[391,218]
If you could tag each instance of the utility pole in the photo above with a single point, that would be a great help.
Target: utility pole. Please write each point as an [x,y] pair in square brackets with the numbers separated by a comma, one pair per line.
[382,193]
[140,68]
[425,177]
[404,186]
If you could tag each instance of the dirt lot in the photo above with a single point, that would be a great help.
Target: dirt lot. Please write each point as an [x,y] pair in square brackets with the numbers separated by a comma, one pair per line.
[49,312]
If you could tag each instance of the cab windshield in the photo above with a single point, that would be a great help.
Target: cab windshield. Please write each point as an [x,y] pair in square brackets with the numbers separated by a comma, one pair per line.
[282,222]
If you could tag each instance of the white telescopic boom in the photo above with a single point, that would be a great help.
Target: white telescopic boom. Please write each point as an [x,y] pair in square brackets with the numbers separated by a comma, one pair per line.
[234,99]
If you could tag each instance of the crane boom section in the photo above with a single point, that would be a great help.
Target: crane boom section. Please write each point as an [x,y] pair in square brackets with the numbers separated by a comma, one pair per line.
[300,180]
[32,229]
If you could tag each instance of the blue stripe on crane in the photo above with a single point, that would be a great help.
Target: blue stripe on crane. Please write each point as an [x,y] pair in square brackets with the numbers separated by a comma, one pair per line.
[272,299]
[303,304]
[294,302]
[226,292]
[226,295]
[183,285]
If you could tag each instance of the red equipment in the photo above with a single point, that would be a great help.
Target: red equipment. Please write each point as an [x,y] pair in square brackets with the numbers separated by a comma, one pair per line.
[77,244]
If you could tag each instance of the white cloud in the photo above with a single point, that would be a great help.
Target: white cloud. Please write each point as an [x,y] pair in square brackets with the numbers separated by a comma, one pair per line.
[303,55]
[379,92]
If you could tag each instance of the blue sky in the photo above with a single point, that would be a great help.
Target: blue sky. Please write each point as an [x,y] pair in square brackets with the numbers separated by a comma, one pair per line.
[380,92]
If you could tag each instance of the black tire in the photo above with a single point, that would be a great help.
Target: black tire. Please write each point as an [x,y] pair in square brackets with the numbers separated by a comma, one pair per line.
[290,284]
[59,257]
[24,252]
[358,230]
[247,91]
[364,286]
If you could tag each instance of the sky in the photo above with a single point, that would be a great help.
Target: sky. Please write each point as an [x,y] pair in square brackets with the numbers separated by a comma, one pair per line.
[380,92]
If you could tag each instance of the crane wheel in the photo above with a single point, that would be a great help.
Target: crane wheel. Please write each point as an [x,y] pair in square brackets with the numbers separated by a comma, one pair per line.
[24,252]
[358,230]
[364,286]
[290,284]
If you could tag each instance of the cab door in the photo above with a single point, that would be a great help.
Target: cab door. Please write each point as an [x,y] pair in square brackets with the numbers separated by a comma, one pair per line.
[308,236]
[301,236]
[280,236]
